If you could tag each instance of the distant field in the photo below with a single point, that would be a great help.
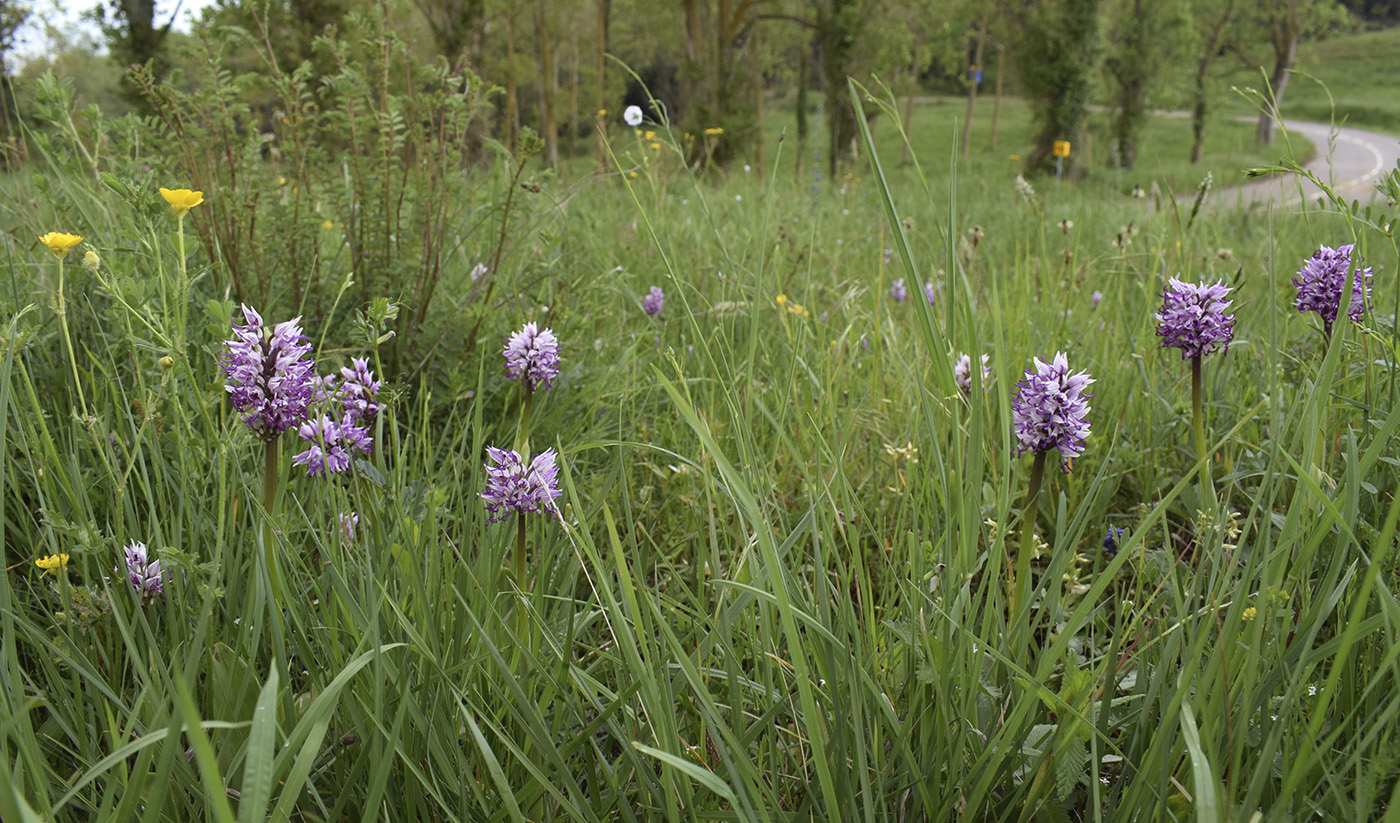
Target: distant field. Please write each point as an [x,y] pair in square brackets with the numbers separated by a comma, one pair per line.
[1362,74]
[937,128]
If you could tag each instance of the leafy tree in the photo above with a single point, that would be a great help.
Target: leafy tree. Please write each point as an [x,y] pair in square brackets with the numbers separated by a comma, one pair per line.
[456,26]
[1058,55]
[1211,21]
[12,16]
[135,38]
[1282,24]
[1145,37]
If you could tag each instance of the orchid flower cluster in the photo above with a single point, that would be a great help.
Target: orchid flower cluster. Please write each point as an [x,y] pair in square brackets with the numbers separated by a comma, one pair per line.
[142,573]
[269,374]
[342,430]
[1051,410]
[513,485]
[517,483]
[271,380]
[1320,282]
[654,302]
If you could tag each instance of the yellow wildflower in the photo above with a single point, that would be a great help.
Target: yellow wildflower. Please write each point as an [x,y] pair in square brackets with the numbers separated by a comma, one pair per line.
[780,299]
[714,130]
[327,225]
[91,261]
[59,243]
[1249,614]
[182,200]
[52,563]
[651,135]
[281,181]
[655,146]
[602,112]
[631,174]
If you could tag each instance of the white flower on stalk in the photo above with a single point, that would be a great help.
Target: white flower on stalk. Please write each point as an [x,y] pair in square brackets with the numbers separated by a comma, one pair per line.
[632,116]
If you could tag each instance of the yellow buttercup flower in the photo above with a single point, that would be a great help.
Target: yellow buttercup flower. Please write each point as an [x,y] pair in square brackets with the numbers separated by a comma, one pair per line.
[52,563]
[655,146]
[182,200]
[780,299]
[59,243]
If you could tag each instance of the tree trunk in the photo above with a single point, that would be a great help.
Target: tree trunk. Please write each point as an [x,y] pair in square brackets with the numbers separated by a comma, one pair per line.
[973,81]
[1128,121]
[601,67]
[1210,47]
[759,156]
[512,103]
[721,78]
[547,83]
[573,101]
[837,40]
[996,101]
[1285,58]
[804,79]
[1198,116]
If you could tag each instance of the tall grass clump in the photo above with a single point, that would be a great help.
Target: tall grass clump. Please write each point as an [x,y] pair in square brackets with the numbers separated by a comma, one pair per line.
[792,560]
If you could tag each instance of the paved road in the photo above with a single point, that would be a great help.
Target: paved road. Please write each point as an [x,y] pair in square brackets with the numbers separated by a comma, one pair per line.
[1348,160]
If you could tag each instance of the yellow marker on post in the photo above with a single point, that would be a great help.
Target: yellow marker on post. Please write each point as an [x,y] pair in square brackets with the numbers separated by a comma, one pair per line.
[1061,150]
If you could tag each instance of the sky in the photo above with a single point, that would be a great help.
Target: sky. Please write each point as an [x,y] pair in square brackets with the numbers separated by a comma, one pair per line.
[55,23]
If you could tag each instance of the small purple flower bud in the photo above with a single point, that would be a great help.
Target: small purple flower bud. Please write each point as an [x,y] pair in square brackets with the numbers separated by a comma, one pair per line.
[1050,409]
[1320,283]
[962,374]
[358,390]
[142,574]
[512,485]
[1113,541]
[898,291]
[654,302]
[269,374]
[929,292]
[334,444]
[348,523]
[1193,318]
[1095,299]
[532,355]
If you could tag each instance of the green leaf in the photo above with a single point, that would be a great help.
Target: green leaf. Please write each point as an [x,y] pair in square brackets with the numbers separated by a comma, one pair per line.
[1207,791]
[702,775]
[258,765]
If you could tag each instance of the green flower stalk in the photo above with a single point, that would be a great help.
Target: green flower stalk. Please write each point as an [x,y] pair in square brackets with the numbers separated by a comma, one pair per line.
[1193,319]
[59,244]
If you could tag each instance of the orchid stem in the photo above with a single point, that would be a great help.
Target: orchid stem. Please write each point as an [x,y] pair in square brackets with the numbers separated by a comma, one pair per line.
[1198,426]
[270,475]
[1020,583]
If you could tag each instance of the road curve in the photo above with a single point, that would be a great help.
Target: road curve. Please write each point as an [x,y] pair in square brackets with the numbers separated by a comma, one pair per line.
[1348,160]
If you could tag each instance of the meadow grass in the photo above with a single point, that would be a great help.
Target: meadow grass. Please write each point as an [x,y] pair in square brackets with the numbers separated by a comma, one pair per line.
[778,585]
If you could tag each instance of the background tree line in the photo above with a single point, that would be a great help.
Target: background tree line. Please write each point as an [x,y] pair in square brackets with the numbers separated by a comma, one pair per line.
[725,64]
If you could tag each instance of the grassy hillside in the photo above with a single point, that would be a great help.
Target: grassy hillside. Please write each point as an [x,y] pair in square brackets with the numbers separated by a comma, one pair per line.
[1357,77]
